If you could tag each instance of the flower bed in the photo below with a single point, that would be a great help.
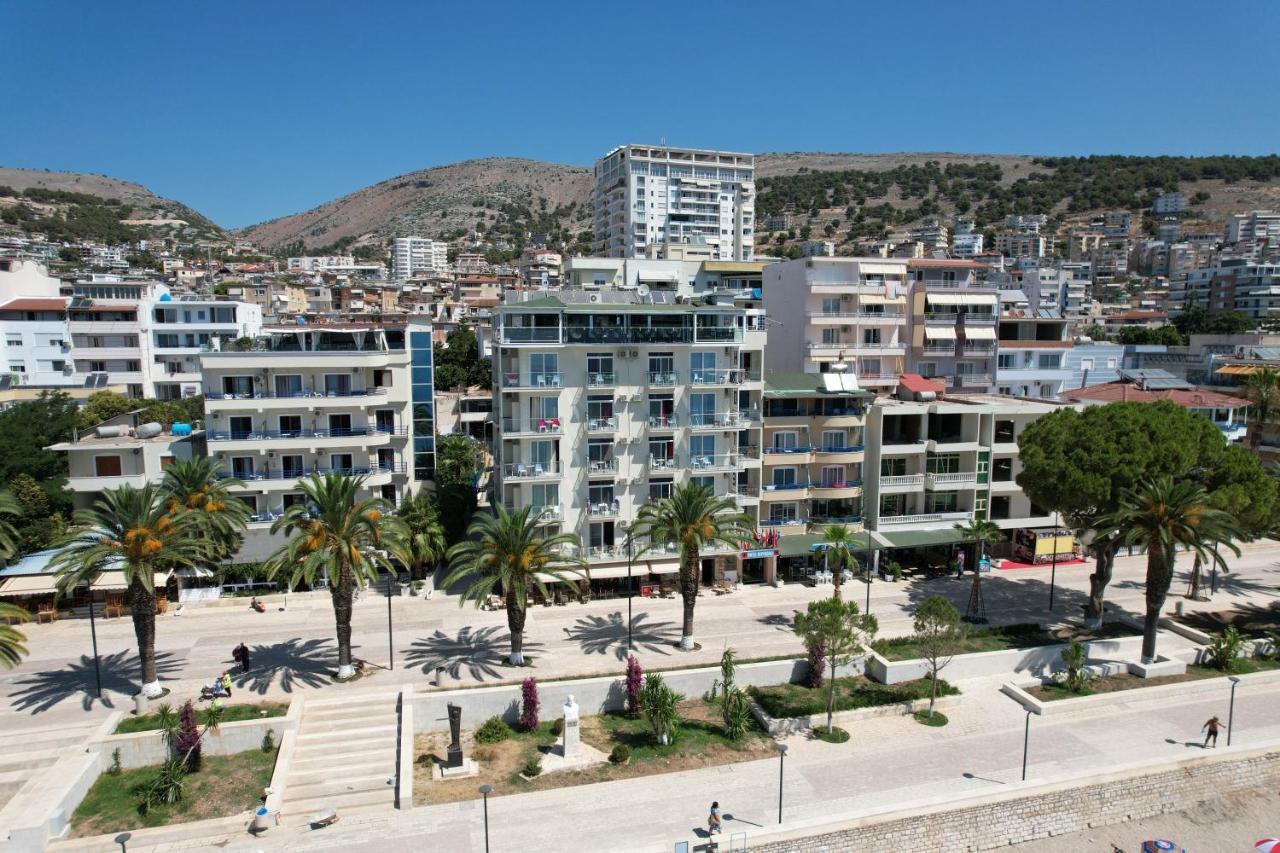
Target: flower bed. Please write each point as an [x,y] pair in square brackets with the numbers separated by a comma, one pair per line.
[787,708]
[1004,638]
[1053,692]
[231,714]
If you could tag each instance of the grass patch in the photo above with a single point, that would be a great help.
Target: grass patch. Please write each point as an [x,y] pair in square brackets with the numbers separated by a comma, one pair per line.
[833,735]
[226,785]
[938,719]
[1054,692]
[700,742]
[799,700]
[1001,638]
[231,714]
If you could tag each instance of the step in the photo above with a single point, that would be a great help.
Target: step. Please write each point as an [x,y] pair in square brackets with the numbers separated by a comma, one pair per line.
[339,787]
[352,770]
[348,701]
[320,759]
[347,725]
[348,733]
[314,805]
[349,712]
[44,739]
[28,760]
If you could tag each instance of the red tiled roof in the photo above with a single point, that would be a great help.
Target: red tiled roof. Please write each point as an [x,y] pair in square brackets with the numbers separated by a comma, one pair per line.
[917,384]
[35,304]
[1121,391]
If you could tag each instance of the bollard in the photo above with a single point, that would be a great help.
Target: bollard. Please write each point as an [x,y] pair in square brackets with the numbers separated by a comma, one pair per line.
[139,704]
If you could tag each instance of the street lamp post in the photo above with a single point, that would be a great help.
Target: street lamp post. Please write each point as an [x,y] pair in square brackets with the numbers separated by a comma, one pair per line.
[391,644]
[782,757]
[1026,740]
[93,634]
[1053,571]
[630,587]
[485,789]
[1231,709]
[870,558]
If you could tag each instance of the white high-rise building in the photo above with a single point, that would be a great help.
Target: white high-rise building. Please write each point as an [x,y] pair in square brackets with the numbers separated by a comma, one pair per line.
[646,195]
[413,255]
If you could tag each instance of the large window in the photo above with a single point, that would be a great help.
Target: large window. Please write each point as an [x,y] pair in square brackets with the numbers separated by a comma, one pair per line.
[703,366]
[702,450]
[659,489]
[106,466]
[702,409]
[288,385]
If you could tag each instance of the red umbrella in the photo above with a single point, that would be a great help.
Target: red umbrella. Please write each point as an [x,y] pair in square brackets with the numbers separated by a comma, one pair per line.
[1267,845]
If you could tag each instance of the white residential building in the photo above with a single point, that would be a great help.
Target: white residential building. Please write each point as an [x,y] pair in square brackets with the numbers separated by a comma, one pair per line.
[609,396]
[1016,245]
[179,331]
[37,345]
[647,194]
[1169,203]
[1255,225]
[845,314]
[540,267]
[353,398]
[412,256]
[321,263]
[966,245]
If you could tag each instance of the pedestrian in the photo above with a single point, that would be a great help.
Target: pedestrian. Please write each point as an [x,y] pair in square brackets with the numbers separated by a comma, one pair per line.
[226,684]
[1211,729]
[713,820]
[241,656]
[959,564]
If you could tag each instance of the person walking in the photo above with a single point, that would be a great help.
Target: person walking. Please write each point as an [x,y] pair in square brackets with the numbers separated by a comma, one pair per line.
[713,820]
[241,656]
[226,684]
[1211,730]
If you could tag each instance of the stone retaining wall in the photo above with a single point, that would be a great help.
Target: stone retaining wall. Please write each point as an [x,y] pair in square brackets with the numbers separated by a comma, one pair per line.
[1055,809]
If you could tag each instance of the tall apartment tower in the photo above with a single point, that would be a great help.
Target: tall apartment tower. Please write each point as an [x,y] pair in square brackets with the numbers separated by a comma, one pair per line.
[413,255]
[646,195]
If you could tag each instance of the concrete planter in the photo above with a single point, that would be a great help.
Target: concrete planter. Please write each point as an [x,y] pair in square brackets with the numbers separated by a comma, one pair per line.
[140,749]
[1203,687]
[781,726]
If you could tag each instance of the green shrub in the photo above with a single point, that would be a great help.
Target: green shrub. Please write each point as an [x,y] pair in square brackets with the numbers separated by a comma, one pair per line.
[557,727]
[269,741]
[620,755]
[797,700]
[532,767]
[1075,677]
[1224,650]
[737,715]
[493,730]
[115,769]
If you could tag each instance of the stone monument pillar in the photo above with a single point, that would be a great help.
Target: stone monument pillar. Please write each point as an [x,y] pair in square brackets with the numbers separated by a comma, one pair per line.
[571,743]
[455,741]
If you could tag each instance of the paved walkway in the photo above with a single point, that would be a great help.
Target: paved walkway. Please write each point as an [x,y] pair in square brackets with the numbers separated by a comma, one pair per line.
[294,649]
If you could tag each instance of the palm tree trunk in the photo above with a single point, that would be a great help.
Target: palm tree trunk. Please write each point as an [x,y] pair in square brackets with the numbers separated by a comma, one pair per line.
[836,579]
[142,605]
[342,595]
[689,565]
[1194,592]
[1105,557]
[1159,576]
[933,689]
[515,623]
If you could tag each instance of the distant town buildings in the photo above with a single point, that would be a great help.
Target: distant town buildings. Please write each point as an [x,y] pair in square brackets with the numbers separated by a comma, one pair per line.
[411,256]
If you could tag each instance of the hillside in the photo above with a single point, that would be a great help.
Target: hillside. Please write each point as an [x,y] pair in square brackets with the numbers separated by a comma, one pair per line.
[489,193]
[95,207]
[506,198]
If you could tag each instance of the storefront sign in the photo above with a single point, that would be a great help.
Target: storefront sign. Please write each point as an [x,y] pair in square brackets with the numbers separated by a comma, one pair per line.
[757,553]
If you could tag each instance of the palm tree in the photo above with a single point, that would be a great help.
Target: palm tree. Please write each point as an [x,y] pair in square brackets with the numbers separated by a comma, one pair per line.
[137,532]
[1161,515]
[981,531]
[424,541]
[336,534]
[9,505]
[11,639]
[839,541]
[504,551]
[693,518]
[194,485]
[1262,389]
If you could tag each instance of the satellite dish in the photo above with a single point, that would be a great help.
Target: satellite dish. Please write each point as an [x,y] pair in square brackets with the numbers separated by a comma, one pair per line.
[642,291]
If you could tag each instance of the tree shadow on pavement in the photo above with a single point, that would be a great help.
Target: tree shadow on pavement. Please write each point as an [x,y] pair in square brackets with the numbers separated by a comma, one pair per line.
[1010,602]
[121,673]
[292,663]
[482,653]
[598,634]
[779,620]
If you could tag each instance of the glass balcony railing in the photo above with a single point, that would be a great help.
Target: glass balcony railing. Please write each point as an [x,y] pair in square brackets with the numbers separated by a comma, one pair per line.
[602,466]
[662,378]
[531,380]
[524,470]
[664,422]
[268,434]
[295,395]
[532,425]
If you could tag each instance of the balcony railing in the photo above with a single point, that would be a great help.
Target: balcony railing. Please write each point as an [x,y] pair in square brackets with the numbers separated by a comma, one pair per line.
[973,380]
[266,434]
[902,480]
[603,510]
[531,380]
[835,519]
[662,378]
[727,461]
[947,317]
[549,426]
[606,423]
[716,377]
[601,380]
[294,395]
[784,487]
[937,349]
[852,448]
[530,335]
[982,318]
[712,420]
[924,518]
[307,471]
[602,466]
[783,522]
[837,484]
[664,422]
[527,470]
[663,463]
[783,451]
[969,477]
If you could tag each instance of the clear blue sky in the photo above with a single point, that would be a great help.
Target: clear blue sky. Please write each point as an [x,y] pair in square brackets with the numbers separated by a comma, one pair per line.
[251,110]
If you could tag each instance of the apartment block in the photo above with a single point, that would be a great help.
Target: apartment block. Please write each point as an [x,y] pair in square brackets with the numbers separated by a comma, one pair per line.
[829,312]
[36,344]
[540,267]
[1018,245]
[953,323]
[644,195]
[181,330]
[412,256]
[608,396]
[1251,288]
[341,397]
[1032,345]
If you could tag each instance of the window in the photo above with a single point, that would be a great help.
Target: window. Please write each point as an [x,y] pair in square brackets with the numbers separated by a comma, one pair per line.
[928,369]
[545,495]
[13,339]
[341,462]
[337,384]
[833,475]
[600,494]
[599,367]
[783,513]
[291,466]
[545,365]
[833,439]
[707,482]
[240,426]
[659,489]
[600,410]
[871,337]
[1049,361]
[662,364]
[702,450]
[941,502]
[702,408]
[831,305]
[340,424]
[1007,361]
[106,466]
[293,499]
[784,441]
[784,477]
[544,408]
[600,455]
[242,467]
[1086,364]
[237,386]
[702,366]
[943,463]
[831,336]
[289,385]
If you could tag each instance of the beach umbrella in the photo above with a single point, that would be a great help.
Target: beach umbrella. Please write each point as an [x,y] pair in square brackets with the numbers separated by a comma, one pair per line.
[1267,845]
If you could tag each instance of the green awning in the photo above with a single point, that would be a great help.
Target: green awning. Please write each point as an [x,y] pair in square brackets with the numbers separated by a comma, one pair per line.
[802,544]
[921,538]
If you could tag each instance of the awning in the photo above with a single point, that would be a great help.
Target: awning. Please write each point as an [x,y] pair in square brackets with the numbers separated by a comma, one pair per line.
[29,585]
[570,574]
[875,299]
[664,568]
[940,333]
[922,538]
[978,333]
[961,298]
[656,275]
[114,580]
[194,572]
[1237,370]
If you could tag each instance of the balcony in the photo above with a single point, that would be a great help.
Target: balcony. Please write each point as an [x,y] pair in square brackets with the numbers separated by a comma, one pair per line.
[601,380]
[980,318]
[864,318]
[901,447]
[784,491]
[531,470]
[663,422]
[788,455]
[513,427]
[837,349]
[609,424]
[279,435]
[928,518]
[718,420]
[543,514]
[663,463]
[531,335]
[852,453]
[663,379]
[722,462]
[901,483]
[717,334]
[783,522]
[978,350]
[98,484]
[603,510]
[955,480]
[973,380]
[832,489]
[874,286]
[602,467]
[945,318]
[716,377]
[530,381]
[878,379]
[835,519]
[938,349]
[305,399]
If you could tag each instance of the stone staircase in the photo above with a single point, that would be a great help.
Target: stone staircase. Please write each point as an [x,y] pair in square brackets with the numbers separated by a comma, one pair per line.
[344,757]
[23,754]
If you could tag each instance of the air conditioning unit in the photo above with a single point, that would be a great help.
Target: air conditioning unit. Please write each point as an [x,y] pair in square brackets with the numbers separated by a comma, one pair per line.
[635,353]
[846,328]
[636,398]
